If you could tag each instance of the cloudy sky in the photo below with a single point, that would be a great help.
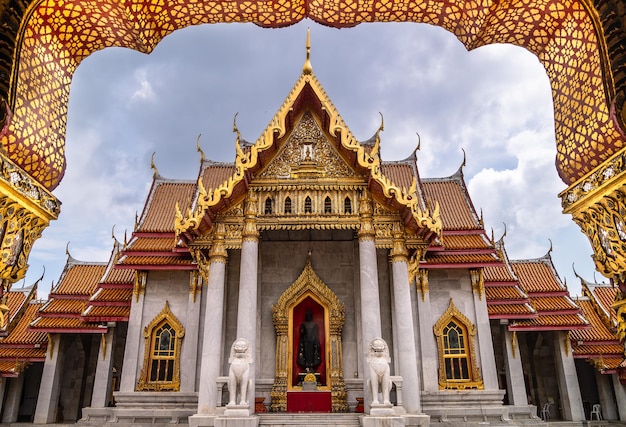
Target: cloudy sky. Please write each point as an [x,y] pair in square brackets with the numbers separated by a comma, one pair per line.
[494,103]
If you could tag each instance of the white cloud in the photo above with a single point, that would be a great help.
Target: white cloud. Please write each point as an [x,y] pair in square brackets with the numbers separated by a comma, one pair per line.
[145,91]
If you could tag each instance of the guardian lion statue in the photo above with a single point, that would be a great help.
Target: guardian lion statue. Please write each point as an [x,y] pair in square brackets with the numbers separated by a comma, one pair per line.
[239,372]
[379,381]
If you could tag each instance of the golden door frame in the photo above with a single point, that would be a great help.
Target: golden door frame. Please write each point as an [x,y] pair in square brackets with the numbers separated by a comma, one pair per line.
[308,285]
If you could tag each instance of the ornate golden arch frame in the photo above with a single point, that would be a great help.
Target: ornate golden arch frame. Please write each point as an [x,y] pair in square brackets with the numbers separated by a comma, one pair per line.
[309,284]
[579,42]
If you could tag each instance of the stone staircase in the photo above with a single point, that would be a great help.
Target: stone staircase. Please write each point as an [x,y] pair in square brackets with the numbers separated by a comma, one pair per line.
[308,420]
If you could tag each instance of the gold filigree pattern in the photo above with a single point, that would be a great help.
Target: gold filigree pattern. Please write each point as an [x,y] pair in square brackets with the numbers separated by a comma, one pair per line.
[56,36]
[478,284]
[139,286]
[452,314]
[308,284]
[307,147]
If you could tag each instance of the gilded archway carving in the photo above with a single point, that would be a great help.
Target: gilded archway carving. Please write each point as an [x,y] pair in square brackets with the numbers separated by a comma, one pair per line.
[308,285]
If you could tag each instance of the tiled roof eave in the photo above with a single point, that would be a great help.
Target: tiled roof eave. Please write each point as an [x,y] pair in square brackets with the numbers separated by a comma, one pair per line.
[459,265]
[108,285]
[105,319]
[508,301]
[110,303]
[24,345]
[158,266]
[469,251]
[539,328]
[60,330]
[52,297]
[513,316]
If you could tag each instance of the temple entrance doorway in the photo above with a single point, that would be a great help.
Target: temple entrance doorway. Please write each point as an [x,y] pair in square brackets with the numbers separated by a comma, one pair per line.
[308,319]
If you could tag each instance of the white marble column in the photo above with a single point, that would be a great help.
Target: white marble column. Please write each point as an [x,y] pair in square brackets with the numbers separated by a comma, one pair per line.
[368,276]
[104,371]
[484,342]
[515,385]
[427,341]
[11,406]
[50,387]
[134,336]
[567,378]
[211,359]
[405,344]
[189,351]
[247,304]
[609,411]
[620,396]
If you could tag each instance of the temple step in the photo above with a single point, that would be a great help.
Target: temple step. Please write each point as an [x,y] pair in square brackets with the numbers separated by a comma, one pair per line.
[308,420]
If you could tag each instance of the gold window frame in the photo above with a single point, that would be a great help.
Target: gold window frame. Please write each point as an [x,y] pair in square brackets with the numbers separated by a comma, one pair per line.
[144,383]
[452,314]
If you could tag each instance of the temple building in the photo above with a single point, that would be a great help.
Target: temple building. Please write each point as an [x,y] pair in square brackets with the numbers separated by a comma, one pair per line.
[311,278]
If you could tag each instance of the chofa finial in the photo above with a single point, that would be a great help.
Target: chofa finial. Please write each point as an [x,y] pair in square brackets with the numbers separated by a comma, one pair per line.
[307,68]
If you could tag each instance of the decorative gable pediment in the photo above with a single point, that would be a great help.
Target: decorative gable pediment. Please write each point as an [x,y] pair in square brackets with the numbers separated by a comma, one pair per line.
[307,153]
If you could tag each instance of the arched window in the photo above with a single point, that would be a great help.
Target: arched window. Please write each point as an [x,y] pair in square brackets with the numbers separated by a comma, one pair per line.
[307,205]
[268,206]
[288,205]
[162,343]
[347,206]
[455,341]
[328,206]
[455,352]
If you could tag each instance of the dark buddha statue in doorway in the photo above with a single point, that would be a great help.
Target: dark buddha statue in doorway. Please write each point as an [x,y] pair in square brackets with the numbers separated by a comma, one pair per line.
[309,351]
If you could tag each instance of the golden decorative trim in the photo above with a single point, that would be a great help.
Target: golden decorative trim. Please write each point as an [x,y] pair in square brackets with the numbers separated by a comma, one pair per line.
[366,229]
[514,343]
[103,345]
[194,284]
[26,209]
[567,343]
[452,314]
[144,383]
[369,160]
[478,283]
[423,282]
[51,345]
[250,231]
[139,287]
[398,252]
[308,285]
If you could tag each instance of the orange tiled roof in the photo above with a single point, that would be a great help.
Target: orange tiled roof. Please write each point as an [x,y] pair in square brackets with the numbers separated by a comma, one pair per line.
[118,276]
[604,350]
[552,322]
[513,310]
[15,299]
[536,276]
[112,295]
[598,331]
[156,260]
[159,213]
[12,368]
[79,278]
[21,334]
[456,210]
[465,241]
[558,303]
[61,324]
[604,295]
[215,174]
[106,313]
[505,293]
[151,244]
[62,306]
[498,273]
[21,353]
[445,258]
[399,173]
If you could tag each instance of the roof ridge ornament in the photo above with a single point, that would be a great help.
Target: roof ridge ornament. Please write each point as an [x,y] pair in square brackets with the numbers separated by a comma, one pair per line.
[199,149]
[155,171]
[307,68]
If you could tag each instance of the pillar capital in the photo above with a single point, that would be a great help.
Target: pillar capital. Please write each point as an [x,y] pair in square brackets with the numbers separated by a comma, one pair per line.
[250,231]
[366,230]
[398,250]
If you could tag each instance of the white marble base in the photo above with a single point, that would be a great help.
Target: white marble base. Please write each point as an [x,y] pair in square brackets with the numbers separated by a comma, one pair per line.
[198,420]
[422,420]
[382,410]
[390,421]
[237,411]
[231,421]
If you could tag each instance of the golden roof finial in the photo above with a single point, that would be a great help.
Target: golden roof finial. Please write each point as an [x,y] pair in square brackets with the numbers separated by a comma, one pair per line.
[307,68]
[199,148]
[155,171]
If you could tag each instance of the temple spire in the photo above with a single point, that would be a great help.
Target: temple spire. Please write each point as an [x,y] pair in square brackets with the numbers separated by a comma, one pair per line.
[307,68]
